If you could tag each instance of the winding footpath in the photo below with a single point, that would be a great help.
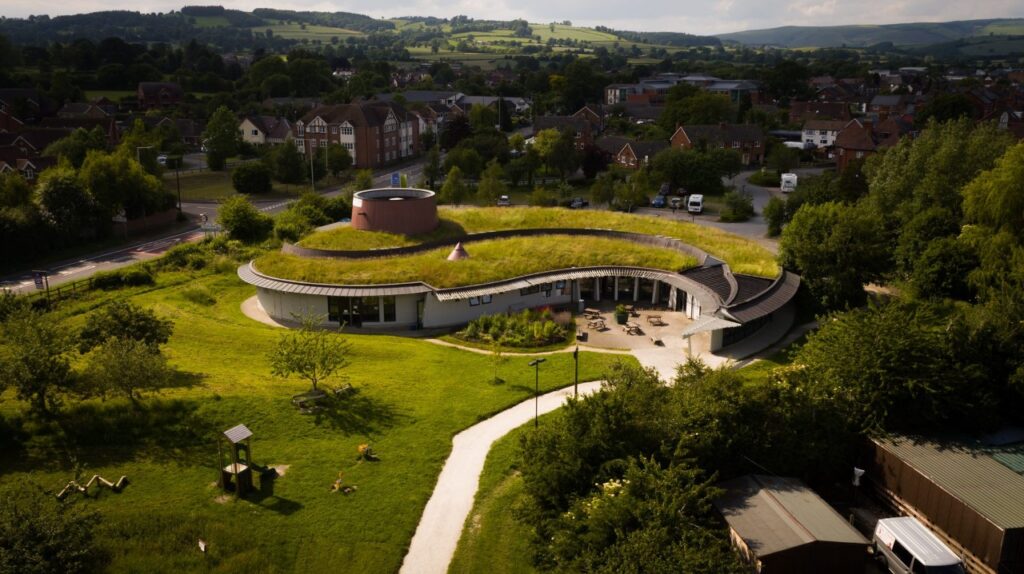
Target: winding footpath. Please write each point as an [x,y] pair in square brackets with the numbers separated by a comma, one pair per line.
[440,527]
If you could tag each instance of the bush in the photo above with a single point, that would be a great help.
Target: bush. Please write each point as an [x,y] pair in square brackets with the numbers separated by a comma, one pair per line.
[541,197]
[765,179]
[775,215]
[244,222]
[525,329]
[40,534]
[133,276]
[252,178]
[199,295]
[738,207]
[121,320]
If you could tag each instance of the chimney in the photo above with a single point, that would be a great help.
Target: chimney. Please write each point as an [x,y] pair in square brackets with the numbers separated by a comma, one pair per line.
[459,253]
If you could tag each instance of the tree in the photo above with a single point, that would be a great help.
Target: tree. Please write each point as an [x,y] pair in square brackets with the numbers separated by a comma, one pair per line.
[75,146]
[739,206]
[700,108]
[943,268]
[944,107]
[602,192]
[468,160]
[836,250]
[14,190]
[491,187]
[996,197]
[40,534]
[125,367]
[118,182]
[221,137]
[432,167]
[632,193]
[455,130]
[517,143]
[311,352]
[775,215]
[244,222]
[363,180]
[64,202]
[338,159]
[124,320]
[252,179]
[782,159]
[454,190]
[289,166]
[34,359]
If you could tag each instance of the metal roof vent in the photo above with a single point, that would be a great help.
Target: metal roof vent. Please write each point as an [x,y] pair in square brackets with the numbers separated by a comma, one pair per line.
[459,253]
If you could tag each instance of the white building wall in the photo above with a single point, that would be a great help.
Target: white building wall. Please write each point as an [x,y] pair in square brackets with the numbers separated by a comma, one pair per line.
[286,306]
[452,313]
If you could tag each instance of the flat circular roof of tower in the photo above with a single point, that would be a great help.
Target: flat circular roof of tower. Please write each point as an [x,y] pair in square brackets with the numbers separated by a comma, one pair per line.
[401,210]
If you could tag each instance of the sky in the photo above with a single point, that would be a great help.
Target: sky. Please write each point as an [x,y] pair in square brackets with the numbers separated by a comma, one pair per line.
[704,18]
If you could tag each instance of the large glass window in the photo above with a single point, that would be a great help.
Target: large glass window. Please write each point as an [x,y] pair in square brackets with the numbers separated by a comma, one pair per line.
[344,310]
[369,309]
[390,315]
[334,308]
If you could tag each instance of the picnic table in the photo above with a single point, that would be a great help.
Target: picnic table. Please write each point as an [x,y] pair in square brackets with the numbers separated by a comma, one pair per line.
[597,323]
[655,320]
[591,312]
[632,328]
[631,309]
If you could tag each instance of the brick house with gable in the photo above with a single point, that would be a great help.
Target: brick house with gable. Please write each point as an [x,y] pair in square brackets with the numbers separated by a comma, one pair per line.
[636,154]
[374,133]
[746,139]
[155,95]
[861,138]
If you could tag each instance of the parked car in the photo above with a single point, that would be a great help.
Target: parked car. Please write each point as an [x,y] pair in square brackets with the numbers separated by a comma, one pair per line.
[504,201]
[658,201]
[905,546]
[578,203]
[787,182]
[675,202]
[161,159]
[664,190]
[695,204]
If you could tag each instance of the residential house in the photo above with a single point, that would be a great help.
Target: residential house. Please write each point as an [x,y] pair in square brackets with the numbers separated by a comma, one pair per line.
[580,128]
[884,106]
[781,526]
[374,133]
[611,145]
[594,114]
[800,112]
[446,97]
[155,95]
[28,105]
[30,142]
[14,160]
[636,154]
[860,138]
[81,110]
[747,139]
[821,133]
[265,130]
[9,123]
[106,123]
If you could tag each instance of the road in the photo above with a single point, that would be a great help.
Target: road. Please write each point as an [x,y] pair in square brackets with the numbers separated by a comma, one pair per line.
[756,228]
[78,268]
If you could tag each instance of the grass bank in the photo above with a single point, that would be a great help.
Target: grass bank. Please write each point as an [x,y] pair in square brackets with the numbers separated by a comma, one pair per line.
[488,261]
[742,255]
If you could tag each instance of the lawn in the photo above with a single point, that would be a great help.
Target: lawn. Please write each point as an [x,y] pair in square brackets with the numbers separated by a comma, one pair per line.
[216,185]
[492,539]
[562,32]
[310,32]
[742,255]
[490,260]
[411,400]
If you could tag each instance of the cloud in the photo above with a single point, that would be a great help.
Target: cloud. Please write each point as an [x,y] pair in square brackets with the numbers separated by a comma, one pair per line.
[716,17]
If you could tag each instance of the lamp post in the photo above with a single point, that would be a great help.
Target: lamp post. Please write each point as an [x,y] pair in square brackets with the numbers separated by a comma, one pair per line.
[576,380]
[536,386]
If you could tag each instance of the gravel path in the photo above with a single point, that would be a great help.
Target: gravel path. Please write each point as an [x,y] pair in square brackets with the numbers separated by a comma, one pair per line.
[440,527]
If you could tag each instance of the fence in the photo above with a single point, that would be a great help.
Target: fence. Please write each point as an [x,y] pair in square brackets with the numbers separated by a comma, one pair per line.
[53,295]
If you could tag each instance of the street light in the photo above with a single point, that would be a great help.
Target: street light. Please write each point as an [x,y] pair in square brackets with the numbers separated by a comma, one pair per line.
[536,386]
[576,381]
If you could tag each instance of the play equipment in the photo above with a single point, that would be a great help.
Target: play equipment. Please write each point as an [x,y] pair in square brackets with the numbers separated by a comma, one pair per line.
[73,485]
[236,476]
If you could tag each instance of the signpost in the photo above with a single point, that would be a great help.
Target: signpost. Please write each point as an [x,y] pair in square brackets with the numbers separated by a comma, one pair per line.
[42,281]
[396,179]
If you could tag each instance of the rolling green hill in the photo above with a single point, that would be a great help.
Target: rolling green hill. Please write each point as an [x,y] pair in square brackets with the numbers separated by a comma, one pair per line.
[910,34]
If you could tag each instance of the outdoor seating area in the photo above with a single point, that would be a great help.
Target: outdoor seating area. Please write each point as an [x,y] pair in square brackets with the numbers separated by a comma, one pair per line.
[645,327]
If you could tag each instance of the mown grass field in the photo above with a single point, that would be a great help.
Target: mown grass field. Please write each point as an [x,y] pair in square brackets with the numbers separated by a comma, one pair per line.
[311,32]
[412,397]
[742,255]
[488,261]
[216,185]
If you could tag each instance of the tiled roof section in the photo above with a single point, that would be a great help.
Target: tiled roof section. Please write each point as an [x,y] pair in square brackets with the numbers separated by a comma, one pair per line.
[717,278]
[772,299]
[749,287]
[611,144]
[360,114]
[724,133]
[773,514]
[647,149]
[827,125]
[855,136]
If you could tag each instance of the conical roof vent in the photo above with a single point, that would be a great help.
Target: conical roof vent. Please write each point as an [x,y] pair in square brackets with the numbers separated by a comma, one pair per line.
[458,253]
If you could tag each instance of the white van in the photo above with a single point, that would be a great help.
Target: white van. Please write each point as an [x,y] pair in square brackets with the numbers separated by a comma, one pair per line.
[787,182]
[695,204]
[905,546]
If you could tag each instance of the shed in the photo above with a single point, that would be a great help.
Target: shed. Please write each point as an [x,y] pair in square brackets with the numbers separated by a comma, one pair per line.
[782,527]
[971,493]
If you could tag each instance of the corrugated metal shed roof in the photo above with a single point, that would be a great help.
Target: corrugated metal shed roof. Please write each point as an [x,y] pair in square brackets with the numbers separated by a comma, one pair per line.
[716,278]
[773,514]
[969,472]
[237,434]
[250,275]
